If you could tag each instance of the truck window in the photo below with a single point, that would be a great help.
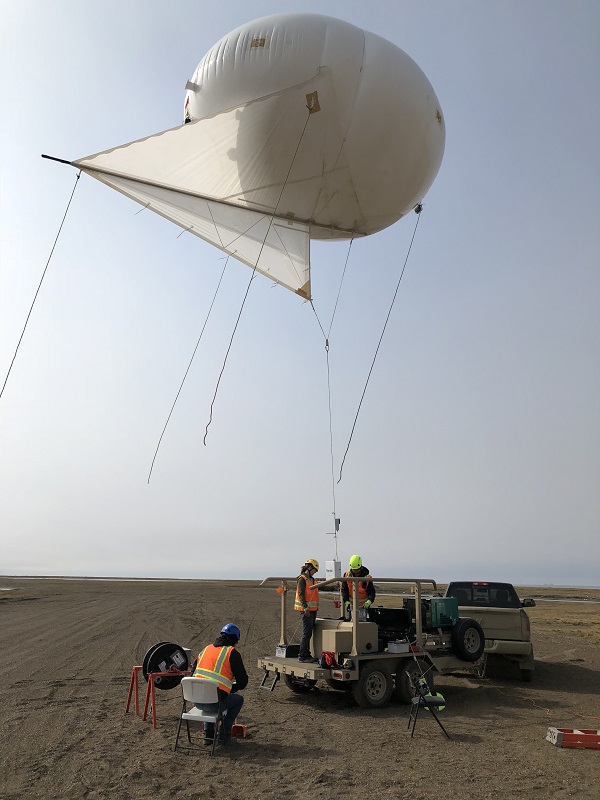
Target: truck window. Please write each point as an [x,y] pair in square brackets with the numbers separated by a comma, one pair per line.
[481,594]
[504,597]
[491,595]
[462,595]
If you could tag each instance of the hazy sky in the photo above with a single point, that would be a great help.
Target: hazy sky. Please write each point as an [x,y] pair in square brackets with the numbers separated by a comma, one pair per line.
[476,453]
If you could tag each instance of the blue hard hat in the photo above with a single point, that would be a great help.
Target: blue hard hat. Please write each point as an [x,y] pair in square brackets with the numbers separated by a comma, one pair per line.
[231,630]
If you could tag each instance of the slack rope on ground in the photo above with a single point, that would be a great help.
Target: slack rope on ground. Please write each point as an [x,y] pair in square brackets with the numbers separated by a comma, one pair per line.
[43,275]
[418,210]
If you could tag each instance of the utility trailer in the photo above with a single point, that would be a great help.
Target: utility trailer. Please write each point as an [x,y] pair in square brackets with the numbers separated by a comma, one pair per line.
[376,657]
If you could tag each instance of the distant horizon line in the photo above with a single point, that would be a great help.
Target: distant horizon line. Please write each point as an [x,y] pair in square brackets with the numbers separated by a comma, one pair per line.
[125,578]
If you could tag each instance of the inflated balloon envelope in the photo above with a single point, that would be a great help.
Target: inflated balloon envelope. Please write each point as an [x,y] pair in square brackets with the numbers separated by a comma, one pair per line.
[298,126]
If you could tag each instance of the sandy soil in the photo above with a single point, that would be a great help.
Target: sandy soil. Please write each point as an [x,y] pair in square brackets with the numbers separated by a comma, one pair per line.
[67,651]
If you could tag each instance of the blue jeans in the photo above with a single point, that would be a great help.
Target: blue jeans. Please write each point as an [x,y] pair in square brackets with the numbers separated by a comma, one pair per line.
[232,704]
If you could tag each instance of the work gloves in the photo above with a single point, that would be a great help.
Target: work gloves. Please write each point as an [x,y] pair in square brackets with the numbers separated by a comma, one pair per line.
[348,605]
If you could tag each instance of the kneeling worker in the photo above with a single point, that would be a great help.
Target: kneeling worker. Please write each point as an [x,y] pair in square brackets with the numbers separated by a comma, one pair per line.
[221,662]
[366,589]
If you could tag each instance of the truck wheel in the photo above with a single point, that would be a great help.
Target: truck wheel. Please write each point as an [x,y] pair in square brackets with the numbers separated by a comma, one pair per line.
[468,639]
[374,686]
[407,670]
[298,685]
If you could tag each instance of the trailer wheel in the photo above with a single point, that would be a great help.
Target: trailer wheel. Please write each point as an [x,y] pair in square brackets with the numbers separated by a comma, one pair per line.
[374,686]
[298,685]
[406,671]
[468,639]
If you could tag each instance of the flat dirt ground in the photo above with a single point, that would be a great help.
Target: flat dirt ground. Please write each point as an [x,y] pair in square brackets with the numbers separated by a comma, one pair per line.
[67,648]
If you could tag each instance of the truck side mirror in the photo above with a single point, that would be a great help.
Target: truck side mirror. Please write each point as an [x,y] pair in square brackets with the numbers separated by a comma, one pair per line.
[528,602]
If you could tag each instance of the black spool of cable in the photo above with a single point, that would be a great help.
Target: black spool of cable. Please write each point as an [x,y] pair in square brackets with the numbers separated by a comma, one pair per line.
[163,657]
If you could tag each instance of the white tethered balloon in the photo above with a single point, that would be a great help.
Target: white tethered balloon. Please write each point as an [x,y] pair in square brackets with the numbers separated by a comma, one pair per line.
[297,126]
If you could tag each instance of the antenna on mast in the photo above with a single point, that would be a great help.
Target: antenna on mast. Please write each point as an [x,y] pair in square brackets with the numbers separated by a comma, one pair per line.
[333,569]
[334,533]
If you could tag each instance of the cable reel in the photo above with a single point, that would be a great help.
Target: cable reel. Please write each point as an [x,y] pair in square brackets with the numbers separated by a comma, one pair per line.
[163,657]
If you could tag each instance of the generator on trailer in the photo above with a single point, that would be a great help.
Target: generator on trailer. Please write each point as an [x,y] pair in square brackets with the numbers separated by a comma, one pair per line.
[380,656]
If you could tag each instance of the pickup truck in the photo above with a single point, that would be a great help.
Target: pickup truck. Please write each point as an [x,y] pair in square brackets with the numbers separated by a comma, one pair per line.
[499,611]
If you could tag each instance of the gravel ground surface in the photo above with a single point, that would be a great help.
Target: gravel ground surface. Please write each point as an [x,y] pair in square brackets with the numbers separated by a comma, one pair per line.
[67,651]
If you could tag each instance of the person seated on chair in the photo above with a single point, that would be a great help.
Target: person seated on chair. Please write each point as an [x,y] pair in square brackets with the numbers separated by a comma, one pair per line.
[221,662]
[366,589]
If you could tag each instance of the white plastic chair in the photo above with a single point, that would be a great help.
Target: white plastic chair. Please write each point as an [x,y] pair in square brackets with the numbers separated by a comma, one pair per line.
[199,690]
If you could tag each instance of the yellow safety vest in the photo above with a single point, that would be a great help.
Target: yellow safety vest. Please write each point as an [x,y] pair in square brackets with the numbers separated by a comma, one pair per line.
[311,593]
[213,665]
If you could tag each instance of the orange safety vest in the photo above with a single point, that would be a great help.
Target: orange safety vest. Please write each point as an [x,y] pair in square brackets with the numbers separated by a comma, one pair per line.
[213,665]
[362,589]
[311,593]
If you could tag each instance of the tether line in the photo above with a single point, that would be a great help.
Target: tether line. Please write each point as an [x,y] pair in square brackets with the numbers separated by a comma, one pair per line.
[254,275]
[188,368]
[226,355]
[326,337]
[418,210]
[331,449]
[40,283]
[340,287]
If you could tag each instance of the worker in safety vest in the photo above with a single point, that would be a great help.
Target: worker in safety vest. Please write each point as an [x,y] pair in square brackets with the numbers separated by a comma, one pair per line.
[221,662]
[307,603]
[366,589]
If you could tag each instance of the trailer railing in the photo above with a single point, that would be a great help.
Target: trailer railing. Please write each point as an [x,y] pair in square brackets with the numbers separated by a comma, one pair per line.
[414,583]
